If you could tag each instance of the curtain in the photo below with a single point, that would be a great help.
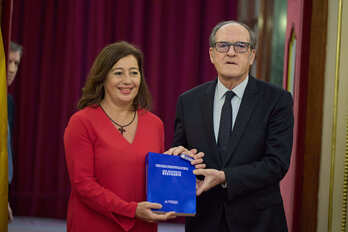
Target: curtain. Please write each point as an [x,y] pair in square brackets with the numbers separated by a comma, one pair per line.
[3,140]
[61,38]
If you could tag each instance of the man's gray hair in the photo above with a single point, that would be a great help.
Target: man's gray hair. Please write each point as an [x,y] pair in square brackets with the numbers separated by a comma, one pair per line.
[212,38]
[14,47]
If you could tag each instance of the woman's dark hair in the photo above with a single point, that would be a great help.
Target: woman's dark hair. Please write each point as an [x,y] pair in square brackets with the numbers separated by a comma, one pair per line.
[93,92]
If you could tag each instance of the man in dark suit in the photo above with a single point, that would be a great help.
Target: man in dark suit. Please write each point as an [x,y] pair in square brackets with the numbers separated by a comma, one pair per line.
[245,128]
[14,58]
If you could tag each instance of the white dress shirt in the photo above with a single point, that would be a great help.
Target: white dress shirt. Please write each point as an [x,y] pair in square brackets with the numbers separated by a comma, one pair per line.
[219,100]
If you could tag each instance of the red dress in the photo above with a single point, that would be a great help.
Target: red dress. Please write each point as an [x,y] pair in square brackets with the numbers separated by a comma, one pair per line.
[107,173]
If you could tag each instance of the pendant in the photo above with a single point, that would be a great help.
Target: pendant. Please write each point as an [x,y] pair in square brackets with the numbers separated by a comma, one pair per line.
[122,130]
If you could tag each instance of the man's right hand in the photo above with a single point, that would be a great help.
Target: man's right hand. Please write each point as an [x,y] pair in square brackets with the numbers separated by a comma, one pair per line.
[145,213]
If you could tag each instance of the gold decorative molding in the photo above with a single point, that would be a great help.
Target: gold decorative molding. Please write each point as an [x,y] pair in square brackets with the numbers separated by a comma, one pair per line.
[291,62]
[345,185]
[334,117]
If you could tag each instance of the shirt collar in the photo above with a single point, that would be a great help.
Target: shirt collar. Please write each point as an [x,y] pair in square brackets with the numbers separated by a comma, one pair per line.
[238,90]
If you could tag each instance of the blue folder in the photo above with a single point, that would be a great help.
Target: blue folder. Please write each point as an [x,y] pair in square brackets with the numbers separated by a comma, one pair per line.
[171,182]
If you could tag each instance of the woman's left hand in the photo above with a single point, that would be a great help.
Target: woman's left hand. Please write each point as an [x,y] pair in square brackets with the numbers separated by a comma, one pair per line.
[177,150]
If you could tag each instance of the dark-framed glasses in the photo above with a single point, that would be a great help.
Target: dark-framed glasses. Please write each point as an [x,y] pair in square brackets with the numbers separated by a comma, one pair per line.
[238,47]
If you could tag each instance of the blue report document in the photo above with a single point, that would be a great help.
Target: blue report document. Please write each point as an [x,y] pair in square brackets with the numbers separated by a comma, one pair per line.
[170,181]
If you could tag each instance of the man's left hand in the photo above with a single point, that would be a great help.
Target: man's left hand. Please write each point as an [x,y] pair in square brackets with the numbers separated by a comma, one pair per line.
[197,156]
[212,177]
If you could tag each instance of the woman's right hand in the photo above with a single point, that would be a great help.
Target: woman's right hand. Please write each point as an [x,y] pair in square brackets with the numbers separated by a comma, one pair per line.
[145,213]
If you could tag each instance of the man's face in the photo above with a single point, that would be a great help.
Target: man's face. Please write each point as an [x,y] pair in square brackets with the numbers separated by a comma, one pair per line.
[230,64]
[14,59]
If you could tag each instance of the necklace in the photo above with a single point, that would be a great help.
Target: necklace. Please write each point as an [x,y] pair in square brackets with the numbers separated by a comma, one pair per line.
[121,127]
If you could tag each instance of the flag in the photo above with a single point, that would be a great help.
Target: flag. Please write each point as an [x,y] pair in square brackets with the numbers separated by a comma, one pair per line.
[3,140]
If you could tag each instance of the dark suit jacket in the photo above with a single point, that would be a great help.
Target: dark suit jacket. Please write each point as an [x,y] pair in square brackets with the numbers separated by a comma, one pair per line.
[258,157]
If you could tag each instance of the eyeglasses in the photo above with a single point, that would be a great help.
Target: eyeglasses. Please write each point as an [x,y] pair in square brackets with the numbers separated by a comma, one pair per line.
[238,47]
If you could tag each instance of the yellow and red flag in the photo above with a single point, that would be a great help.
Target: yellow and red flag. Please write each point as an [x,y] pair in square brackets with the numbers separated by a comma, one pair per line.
[3,140]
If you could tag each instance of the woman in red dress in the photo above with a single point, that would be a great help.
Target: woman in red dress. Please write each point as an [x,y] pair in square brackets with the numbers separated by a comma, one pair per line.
[106,143]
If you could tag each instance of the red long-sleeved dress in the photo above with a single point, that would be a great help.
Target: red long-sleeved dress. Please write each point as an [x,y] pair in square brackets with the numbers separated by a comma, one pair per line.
[107,173]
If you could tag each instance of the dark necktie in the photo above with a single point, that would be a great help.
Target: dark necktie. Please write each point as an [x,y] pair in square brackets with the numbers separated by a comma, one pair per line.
[225,127]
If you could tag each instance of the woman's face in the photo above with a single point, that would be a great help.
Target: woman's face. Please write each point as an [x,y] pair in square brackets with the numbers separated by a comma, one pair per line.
[122,81]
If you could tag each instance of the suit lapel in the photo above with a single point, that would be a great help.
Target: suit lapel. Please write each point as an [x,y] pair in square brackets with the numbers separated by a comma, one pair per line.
[207,106]
[246,108]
